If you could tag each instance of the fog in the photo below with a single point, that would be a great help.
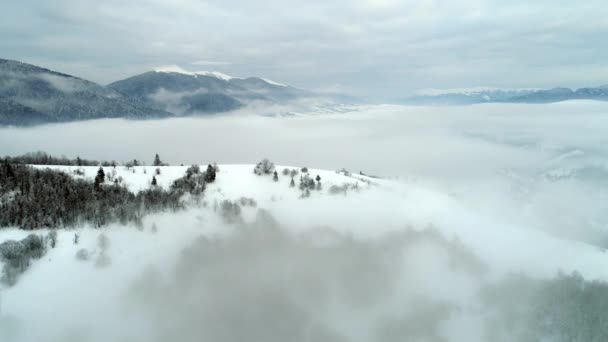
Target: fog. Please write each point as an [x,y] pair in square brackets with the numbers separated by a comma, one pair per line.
[544,165]
[478,193]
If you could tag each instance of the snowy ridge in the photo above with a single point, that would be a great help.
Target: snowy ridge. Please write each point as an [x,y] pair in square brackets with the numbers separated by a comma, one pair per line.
[122,276]
[273,82]
[178,70]
[219,75]
[402,203]
[469,91]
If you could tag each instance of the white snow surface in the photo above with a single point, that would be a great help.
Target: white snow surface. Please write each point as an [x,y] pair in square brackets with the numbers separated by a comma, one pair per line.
[180,70]
[274,83]
[217,74]
[378,208]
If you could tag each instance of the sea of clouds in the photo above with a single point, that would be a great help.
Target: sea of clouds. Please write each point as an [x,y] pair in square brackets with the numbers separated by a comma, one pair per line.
[480,192]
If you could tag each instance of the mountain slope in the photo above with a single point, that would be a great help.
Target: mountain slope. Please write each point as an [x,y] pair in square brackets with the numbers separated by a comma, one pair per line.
[509,96]
[33,95]
[184,92]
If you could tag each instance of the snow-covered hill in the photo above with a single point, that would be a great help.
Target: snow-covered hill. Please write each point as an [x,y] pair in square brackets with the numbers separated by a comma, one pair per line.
[357,236]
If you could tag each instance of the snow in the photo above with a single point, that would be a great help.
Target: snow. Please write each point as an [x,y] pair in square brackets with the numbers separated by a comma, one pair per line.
[180,70]
[219,75]
[383,204]
[378,208]
[215,74]
[234,178]
[274,83]
[468,91]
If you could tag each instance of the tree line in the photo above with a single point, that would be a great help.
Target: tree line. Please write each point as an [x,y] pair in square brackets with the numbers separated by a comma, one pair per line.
[33,198]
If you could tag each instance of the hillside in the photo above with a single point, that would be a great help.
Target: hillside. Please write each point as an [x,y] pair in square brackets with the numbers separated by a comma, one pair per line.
[475,96]
[358,247]
[187,93]
[32,95]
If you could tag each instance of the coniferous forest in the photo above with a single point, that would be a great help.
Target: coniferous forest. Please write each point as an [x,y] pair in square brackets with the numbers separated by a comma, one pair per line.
[33,198]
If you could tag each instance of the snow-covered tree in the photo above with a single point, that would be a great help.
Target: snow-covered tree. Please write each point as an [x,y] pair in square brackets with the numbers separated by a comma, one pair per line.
[264,167]
[210,174]
[52,238]
[99,179]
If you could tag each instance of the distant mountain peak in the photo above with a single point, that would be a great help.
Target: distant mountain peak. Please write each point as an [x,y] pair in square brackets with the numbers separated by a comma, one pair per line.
[216,74]
[178,70]
[486,95]
[274,83]
[32,95]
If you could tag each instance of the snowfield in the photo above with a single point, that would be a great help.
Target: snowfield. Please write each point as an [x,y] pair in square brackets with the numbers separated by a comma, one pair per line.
[371,210]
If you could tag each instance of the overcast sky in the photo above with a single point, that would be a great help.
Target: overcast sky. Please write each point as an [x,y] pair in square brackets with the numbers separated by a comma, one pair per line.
[380,49]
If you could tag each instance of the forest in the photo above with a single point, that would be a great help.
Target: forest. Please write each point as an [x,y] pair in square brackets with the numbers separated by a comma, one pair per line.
[42,198]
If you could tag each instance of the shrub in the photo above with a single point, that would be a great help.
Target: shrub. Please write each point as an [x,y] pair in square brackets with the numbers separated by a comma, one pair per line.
[52,238]
[17,256]
[82,255]
[230,212]
[265,167]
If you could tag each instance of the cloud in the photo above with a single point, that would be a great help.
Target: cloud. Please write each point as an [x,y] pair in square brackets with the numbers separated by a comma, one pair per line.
[203,62]
[381,49]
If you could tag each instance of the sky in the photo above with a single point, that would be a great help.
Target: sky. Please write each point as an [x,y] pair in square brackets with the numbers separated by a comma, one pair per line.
[373,49]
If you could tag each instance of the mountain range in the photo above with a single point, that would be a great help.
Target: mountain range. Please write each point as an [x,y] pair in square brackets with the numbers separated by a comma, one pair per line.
[31,95]
[475,96]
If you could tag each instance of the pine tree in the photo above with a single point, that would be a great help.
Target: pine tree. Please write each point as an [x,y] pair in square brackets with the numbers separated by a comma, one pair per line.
[8,169]
[154,181]
[318,178]
[210,174]
[275,177]
[157,161]
[292,183]
[100,178]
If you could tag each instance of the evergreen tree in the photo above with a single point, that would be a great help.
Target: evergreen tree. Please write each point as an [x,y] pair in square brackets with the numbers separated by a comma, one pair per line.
[318,178]
[8,169]
[275,177]
[210,174]
[154,181]
[100,178]
[292,183]
[157,161]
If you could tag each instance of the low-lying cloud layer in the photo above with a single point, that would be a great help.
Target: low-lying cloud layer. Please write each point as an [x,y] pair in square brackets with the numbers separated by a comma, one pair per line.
[479,192]
[541,165]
